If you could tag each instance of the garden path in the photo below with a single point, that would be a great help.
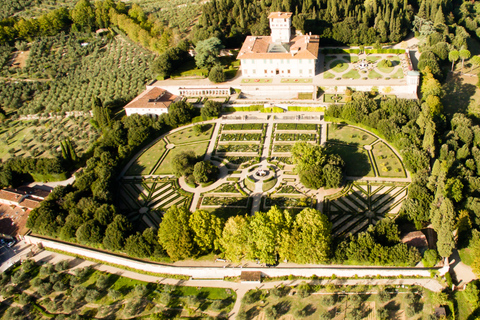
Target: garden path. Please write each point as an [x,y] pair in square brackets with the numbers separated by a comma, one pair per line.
[211,146]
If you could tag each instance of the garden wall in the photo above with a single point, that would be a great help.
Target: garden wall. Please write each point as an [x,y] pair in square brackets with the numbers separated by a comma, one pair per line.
[221,272]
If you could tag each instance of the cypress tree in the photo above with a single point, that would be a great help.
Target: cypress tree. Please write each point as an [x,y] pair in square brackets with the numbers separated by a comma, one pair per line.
[439,18]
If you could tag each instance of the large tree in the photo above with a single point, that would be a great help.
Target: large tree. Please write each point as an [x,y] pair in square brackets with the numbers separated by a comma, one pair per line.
[175,235]
[207,229]
[83,15]
[234,241]
[211,109]
[179,113]
[207,52]
[204,171]
[316,167]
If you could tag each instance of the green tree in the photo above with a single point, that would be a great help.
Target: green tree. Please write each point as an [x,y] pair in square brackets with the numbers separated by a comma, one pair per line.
[117,232]
[211,109]
[313,236]
[207,230]
[183,163]
[431,86]
[475,62]
[464,54]
[216,74]
[179,113]
[453,56]
[207,52]
[205,171]
[83,15]
[234,241]
[175,234]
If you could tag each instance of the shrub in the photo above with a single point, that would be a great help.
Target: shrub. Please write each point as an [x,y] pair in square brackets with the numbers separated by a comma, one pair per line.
[217,305]
[92,295]
[430,258]
[59,286]
[325,315]
[24,298]
[382,314]
[114,294]
[216,75]
[328,300]
[62,265]
[141,290]
[410,311]
[383,296]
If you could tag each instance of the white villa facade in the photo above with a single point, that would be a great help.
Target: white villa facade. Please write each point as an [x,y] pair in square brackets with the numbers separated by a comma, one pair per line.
[278,55]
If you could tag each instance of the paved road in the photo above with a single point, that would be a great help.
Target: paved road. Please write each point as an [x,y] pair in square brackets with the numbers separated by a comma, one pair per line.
[239,288]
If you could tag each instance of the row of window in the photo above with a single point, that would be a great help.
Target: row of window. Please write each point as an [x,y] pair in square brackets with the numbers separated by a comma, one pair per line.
[270,61]
[265,71]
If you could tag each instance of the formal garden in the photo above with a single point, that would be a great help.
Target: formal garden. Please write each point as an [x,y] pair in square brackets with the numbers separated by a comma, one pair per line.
[363,153]
[370,66]
[150,186]
[310,301]
[360,204]
[56,291]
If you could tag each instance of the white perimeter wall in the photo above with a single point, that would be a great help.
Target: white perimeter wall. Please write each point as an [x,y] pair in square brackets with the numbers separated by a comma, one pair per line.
[299,68]
[146,111]
[220,272]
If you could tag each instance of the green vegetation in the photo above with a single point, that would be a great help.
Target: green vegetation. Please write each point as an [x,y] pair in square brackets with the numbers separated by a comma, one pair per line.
[387,162]
[269,184]
[166,166]
[306,109]
[349,135]
[328,75]
[375,75]
[334,98]
[398,74]
[338,66]
[189,135]
[144,164]
[52,291]
[352,74]
[357,162]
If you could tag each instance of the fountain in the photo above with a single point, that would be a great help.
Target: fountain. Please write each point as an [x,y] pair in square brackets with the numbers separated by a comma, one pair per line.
[261,173]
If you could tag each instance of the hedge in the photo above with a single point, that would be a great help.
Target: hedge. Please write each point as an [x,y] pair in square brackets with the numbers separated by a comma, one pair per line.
[336,51]
[250,108]
[395,51]
[306,109]
[272,110]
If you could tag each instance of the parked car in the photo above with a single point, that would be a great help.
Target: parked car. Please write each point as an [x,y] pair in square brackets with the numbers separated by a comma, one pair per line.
[10,244]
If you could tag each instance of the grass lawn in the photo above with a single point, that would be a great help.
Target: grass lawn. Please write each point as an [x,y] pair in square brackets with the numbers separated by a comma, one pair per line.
[145,163]
[462,95]
[349,135]
[208,293]
[373,58]
[356,159]
[298,80]
[166,166]
[330,98]
[328,75]
[398,74]
[189,69]
[329,58]
[352,74]
[338,65]
[187,135]
[464,309]
[374,75]
[263,80]
[388,164]
[385,69]
[393,58]
[267,185]
[249,184]
[304,96]
[466,256]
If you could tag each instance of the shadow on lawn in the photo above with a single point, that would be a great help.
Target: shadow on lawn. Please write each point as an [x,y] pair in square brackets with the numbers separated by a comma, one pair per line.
[357,163]
[458,95]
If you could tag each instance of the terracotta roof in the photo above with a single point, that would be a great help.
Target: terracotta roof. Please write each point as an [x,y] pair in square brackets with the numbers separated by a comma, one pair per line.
[35,192]
[30,203]
[10,195]
[300,47]
[279,15]
[251,276]
[153,98]
[415,239]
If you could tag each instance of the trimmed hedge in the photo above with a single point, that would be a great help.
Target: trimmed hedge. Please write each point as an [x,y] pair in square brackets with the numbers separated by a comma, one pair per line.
[337,51]
[395,51]
[250,108]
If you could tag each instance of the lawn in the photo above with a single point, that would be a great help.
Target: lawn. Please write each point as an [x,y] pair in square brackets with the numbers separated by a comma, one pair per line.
[349,135]
[462,95]
[146,162]
[352,74]
[269,184]
[465,256]
[188,135]
[328,75]
[398,74]
[386,69]
[305,95]
[338,65]
[357,162]
[388,164]
[374,75]
[372,59]
[332,98]
[198,148]
[189,69]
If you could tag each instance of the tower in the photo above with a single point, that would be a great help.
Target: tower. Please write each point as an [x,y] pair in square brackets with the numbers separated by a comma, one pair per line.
[280,26]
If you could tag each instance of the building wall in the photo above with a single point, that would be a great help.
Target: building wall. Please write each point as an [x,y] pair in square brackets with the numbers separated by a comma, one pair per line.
[280,29]
[283,68]
[146,111]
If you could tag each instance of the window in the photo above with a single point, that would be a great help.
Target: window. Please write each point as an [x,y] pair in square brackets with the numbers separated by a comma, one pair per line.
[300,71]
[265,71]
[271,61]
[310,71]
[288,71]
[281,61]
[264,61]
[254,71]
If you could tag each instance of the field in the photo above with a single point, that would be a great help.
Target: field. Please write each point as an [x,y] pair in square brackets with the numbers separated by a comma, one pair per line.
[199,148]
[90,293]
[309,301]
[42,137]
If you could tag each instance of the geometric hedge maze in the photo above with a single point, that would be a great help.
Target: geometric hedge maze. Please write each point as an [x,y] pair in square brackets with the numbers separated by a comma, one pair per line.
[360,204]
[144,199]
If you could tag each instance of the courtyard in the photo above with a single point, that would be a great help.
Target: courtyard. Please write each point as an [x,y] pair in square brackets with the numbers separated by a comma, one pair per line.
[242,146]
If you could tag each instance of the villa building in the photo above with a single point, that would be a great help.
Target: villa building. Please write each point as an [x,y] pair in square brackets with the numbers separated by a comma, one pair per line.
[279,55]
[153,101]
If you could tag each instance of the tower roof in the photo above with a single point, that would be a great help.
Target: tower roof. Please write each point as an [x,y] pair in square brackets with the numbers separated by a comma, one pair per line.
[279,15]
